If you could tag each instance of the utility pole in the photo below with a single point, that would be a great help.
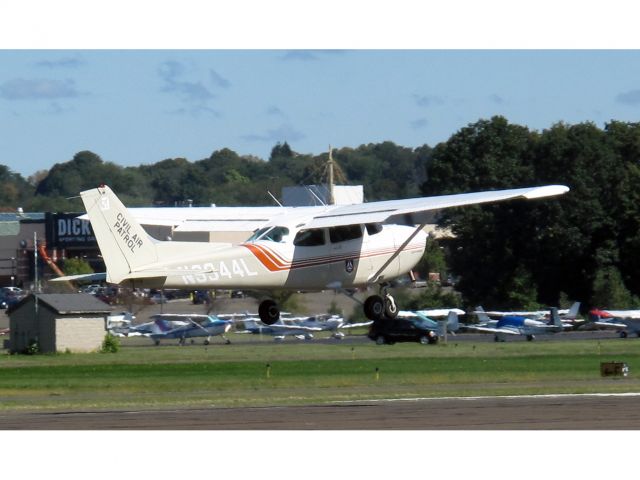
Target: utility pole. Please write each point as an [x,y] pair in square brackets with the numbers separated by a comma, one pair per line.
[35,261]
[332,199]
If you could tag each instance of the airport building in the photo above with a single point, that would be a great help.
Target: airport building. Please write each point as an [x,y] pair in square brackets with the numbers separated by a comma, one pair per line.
[28,240]
[73,322]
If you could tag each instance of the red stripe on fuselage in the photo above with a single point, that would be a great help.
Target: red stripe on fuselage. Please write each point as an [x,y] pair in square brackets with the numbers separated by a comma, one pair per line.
[273,262]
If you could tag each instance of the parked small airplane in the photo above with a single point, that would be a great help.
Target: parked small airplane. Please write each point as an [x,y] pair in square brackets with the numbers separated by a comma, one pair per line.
[183,326]
[517,325]
[301,328]
[615,313]
[565,314]
[119,324]
[325,247]
[623,321]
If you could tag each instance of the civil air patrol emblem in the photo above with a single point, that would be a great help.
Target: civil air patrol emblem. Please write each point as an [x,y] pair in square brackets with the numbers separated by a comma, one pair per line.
[348,265]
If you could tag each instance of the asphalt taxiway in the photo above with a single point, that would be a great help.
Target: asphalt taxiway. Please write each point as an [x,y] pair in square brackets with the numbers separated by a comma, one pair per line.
[552,412]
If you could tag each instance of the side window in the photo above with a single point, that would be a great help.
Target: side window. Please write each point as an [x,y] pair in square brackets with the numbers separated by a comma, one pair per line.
[309,238]
[344,233]
[373,228]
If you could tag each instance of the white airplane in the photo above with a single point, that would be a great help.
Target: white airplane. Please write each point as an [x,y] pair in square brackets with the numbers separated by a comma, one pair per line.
[565,314]
[623,321]
[119,324]
[325,247]
[182,326]
[518,325]
[302,328]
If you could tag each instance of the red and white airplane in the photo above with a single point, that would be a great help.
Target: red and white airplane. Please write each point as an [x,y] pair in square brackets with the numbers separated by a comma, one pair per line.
[315,248]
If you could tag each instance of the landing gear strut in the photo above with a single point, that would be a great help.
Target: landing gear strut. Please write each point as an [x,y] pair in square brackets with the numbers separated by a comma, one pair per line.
[269,312]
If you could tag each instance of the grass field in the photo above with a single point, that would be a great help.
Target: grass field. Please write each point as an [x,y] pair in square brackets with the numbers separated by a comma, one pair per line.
[265,373]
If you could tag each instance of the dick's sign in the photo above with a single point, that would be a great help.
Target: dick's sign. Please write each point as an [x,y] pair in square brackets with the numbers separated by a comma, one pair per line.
[67,230]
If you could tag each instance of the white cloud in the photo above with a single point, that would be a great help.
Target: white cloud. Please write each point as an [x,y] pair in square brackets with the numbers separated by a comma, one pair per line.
[38,89]
[427,100]
[282,133]
[632,97]
[218,80]
[66,62]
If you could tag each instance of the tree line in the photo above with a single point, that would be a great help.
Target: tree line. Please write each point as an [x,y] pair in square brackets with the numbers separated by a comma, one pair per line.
[582,246]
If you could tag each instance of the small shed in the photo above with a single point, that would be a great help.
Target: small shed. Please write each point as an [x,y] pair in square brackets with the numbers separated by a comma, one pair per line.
[58,322]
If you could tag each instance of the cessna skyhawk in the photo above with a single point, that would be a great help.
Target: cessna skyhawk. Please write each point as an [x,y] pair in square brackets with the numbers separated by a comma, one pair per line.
[325,247]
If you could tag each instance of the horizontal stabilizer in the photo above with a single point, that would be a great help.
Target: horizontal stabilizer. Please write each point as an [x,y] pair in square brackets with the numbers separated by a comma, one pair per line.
[83,277]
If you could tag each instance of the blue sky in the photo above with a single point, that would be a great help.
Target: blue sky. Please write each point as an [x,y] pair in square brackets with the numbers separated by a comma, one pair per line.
[139,106]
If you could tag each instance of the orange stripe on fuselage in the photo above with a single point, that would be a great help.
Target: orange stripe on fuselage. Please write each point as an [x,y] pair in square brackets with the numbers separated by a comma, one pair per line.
[275,263]
[266,258]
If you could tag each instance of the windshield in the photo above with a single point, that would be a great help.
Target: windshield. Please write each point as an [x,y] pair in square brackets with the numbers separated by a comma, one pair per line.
[272,234]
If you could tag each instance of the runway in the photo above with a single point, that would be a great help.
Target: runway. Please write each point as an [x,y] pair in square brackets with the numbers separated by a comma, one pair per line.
[559,412]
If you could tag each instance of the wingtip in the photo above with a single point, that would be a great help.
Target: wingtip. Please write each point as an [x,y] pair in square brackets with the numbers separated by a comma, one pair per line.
[546,191]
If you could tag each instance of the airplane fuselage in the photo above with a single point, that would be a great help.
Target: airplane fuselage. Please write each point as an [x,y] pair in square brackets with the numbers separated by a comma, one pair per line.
[289,264]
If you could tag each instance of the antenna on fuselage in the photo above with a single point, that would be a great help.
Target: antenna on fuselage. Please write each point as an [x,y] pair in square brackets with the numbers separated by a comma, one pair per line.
[274,198]
[316,196]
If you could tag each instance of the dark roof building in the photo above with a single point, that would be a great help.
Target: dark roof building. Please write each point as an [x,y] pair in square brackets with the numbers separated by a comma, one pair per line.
[58,322]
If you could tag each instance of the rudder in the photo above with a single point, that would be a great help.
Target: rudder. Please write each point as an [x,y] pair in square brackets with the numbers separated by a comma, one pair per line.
[124,244]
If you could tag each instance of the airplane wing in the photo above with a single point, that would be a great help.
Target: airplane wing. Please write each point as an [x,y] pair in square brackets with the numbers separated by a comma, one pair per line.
[609,325]
[624,313]
[277,327]
[251,218]
[492,330]
[356,325]
[440,312]
[378,212]
[206,219]
[83,277]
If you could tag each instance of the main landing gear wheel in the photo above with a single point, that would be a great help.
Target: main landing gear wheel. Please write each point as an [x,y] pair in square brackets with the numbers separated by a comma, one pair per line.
[374,307]
[269,312]
[377,307]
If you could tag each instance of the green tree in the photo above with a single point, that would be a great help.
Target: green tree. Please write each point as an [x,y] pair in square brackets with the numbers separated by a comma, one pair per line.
[609,290]
[76,266]
[15,191]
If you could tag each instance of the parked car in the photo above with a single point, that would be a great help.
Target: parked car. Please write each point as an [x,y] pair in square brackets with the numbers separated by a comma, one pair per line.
[401,330]
[9,297]
[13,289]
[157,298]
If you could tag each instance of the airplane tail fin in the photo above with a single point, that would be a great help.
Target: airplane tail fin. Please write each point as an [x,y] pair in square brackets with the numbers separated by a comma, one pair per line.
[482,317]
[452,321]
[123,243]
[573,311]
[555,318]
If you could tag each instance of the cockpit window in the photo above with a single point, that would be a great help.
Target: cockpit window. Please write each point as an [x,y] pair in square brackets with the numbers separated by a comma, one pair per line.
[344,233]
[272,234]
[309,238]
[257,234]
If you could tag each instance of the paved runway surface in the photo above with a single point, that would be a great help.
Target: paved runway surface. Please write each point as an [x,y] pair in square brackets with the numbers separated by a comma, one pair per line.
[564,412]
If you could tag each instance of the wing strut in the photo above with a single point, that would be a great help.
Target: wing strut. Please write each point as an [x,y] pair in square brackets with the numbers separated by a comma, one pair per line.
[376,276]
